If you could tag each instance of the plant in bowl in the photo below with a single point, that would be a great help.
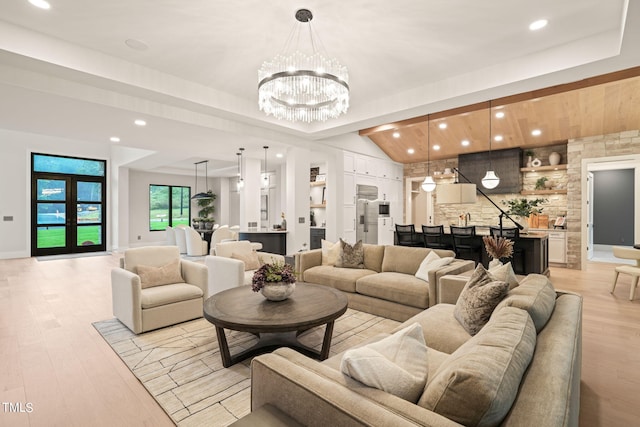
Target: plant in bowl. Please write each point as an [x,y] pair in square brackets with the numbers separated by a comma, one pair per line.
[540,183]
[276,281]
[523,207]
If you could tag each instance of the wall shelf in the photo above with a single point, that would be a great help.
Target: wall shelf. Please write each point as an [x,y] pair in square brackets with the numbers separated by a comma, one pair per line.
[544,168]
[318,205]
[541,192]
[317,183]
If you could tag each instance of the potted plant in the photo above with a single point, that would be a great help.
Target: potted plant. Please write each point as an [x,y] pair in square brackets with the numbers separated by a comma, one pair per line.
[276,281]
[206,210]
[529,154]
[540,183]
[522,208]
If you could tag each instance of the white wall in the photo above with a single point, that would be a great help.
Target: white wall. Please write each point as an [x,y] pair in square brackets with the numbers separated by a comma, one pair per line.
[15,182]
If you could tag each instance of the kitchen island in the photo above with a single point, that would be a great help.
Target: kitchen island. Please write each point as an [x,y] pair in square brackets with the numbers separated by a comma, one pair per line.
[273,241]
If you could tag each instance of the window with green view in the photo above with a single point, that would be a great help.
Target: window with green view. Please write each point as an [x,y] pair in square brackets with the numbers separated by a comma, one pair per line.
[168,205]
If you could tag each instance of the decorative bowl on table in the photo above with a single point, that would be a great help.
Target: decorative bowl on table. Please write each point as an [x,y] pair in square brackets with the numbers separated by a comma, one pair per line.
[276,281]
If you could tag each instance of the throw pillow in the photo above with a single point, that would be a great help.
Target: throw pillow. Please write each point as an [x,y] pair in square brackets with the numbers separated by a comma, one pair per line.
[351,256]
[431,262]
[330,252]
[505,273]
[536,295]
[158,276]
[250,259]
[396,364]
[478,383]
[480,296]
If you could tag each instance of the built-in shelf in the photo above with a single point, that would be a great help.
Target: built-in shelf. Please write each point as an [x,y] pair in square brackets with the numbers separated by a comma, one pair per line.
[544,168]
[541,192]
[317,183]
[319,205]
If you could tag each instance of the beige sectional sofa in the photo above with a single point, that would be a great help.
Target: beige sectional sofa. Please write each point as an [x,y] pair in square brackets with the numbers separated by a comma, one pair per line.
[521,369]
[387,285]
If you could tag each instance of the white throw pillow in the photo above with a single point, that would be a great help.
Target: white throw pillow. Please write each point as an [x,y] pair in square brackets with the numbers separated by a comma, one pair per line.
[431,262]
[505,273]
[330,252]
[396,364]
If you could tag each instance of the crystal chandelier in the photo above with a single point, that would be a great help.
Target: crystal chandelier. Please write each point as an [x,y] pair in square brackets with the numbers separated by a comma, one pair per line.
[300,87]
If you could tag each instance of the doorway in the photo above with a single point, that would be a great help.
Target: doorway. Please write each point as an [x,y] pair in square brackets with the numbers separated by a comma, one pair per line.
[68,205]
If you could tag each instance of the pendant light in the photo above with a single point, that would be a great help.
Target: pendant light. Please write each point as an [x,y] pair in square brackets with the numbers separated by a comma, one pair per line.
[490,180]
[240,183]
[205,194]
[428,184]
[265,178]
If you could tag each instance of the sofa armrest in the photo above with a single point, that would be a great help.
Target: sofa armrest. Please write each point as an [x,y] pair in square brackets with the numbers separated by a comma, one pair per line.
[125,298]
[317,395]
[224,273]
[308,259]
[196,274]
[456,267]
[450,287]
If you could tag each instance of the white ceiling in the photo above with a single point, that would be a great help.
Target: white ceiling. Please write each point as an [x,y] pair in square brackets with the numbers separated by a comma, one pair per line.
[68,72]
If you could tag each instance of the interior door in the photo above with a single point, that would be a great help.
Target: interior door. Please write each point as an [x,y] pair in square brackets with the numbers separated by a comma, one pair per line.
[67,214]
[590,223]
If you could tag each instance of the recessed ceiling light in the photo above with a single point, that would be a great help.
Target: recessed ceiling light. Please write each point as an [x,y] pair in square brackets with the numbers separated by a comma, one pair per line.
[279,155]
[396,134]
[442,125]
[536,132]
[114,139]
[140,122]
[136,44]
[42,4]
[498,138]
[465,143]
[436,147]
[500,114]
[536,25]
[411,151]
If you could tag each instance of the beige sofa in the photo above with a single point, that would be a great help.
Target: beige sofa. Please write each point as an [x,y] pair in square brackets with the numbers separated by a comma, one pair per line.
[387,286]
[545,392]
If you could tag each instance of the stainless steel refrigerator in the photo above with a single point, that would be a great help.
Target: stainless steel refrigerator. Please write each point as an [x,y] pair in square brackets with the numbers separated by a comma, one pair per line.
[367,213]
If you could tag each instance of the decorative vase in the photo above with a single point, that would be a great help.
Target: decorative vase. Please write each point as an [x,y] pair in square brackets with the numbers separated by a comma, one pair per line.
[524,222]
[554,158]
[494,263]
[548,184]
[529,160]
[277,291]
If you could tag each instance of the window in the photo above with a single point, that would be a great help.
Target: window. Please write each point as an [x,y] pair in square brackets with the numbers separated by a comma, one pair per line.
[168,205]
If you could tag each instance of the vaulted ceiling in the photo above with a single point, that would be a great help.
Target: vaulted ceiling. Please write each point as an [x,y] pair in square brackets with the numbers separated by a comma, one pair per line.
[84,69]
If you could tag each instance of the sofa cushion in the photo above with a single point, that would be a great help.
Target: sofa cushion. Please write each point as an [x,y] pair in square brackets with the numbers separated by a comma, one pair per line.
[404,259]
[396,364]
[373,255]
[479,382]
[167,274]
[431,262]
[330,252]
[250,260]
[441,330]
[535,295]
[478,299]
[397,287]
[351,256]
[343,279]
[167,294]
[505,273]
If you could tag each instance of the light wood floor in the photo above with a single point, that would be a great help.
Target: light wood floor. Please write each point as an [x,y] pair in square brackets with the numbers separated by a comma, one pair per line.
[51,356]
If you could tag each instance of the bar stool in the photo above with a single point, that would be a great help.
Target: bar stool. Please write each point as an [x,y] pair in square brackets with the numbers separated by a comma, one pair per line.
[512,233]
[465,243]
[406,235]
[434,237]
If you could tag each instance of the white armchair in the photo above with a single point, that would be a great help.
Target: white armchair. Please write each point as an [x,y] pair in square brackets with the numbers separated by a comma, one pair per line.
[196,246]
[155,288]
[181,238]
[221,234]
[171,236]
[227,270]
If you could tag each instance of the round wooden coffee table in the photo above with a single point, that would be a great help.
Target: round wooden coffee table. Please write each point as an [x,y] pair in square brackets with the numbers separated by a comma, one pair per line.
[276,323]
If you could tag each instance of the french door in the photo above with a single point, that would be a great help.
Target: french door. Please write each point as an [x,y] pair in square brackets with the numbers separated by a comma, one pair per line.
[67,213]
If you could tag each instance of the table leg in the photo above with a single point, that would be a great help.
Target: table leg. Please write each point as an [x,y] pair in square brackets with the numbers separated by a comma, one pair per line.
[224,347]
[326,342]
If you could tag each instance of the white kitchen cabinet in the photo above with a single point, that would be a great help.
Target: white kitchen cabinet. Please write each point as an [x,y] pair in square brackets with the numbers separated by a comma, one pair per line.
[349,161]
[558,247]
[385,231]
[349,224]
[349,190]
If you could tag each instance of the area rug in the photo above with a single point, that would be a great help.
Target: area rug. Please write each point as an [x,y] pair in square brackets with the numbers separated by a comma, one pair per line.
[180,366]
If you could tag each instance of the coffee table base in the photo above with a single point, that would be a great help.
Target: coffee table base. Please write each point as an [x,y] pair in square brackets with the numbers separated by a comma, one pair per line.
[268,342]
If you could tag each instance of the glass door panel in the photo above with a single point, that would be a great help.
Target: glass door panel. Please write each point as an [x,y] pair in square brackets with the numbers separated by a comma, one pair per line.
[88,225]
[51,213]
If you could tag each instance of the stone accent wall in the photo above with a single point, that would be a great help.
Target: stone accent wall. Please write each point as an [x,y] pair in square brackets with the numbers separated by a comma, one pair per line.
[615,144]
